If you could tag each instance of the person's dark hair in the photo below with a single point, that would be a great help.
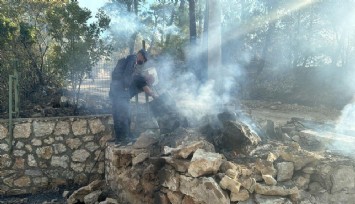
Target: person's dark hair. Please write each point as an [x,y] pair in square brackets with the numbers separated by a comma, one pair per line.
[144,53]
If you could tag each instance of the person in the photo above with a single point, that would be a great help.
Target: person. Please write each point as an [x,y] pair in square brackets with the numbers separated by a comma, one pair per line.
[127,80]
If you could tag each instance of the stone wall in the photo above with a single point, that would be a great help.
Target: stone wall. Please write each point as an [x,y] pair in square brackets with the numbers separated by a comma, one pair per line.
[50,152]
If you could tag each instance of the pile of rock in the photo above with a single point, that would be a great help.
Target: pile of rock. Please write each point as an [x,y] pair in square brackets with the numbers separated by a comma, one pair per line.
[184,167]
[194,173]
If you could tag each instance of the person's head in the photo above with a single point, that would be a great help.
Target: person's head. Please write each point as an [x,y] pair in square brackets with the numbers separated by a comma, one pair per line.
[142,56]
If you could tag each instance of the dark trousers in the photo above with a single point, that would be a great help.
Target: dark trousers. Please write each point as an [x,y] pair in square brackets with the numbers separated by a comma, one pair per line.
[121,118]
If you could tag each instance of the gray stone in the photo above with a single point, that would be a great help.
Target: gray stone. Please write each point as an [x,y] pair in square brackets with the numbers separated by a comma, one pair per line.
[19,153]
[79,127]
[5,161]
[3,132]
[269,180]
[203,190]
[59,138]
[298,156]
[96,126]
[45,152]
[169,178]
[23,181]
[33,172]
[302,181]
[41,129]
[28,148]
[230,184]
[4,147]
[145,140]
[77,167]
[203,163]
[41,181]
[22,130]
[48,141]
[73,143]
[140,158]
[284,171]
[88,138]
[60,161]
[109,201]
[180,165]
[275,190]
[342,178]
[242,195]
[238,135]
[80,155]
[31,161]
[59,148]
[175,197]
[36,142]
[92,146]
[19,145]
[187,150]
[265,167]
[262,199]
[62,128]
[92,197]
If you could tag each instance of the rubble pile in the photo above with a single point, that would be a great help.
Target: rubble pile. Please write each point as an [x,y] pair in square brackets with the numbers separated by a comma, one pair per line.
[230,164]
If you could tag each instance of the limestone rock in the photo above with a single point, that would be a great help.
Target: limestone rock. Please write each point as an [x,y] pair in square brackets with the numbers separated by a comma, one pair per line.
[269,180]
[284,171]
[203,163]
[140,158]
[78,195]
[298,156]
[175,197]
[185,151]
[169,178]
[342,178]
[79,127]
[275,190]
[62,128]
[238,135]
[109,201]
[271,200]
[92,197]
[80,155]
[180,165]
[42,128]
[203,190]
[22,130]
[243,195]
[230,184]
[249,184]
[145,140]
[3,132]
[265,167]
[96,126]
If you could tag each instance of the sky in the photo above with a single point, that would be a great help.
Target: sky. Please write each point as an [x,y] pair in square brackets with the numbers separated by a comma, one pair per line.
[92,5]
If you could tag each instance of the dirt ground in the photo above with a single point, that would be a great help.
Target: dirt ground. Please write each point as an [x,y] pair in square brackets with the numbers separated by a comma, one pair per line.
[280,113]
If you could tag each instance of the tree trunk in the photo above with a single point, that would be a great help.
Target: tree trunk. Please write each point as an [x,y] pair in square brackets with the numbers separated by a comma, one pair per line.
[192,16]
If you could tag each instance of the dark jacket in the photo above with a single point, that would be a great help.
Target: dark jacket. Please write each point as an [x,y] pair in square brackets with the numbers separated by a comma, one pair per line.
[121,77]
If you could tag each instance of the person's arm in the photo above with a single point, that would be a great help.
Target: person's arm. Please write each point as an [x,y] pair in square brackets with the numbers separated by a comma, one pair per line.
[149,91]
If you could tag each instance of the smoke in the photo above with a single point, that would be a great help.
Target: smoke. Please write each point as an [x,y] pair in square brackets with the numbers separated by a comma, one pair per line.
[195,98]
[346,120]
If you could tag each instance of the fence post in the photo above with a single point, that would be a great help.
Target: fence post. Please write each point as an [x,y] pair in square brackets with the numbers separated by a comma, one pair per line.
[13,100]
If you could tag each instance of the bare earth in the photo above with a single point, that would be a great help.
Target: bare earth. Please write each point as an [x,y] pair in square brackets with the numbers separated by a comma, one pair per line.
[280,113]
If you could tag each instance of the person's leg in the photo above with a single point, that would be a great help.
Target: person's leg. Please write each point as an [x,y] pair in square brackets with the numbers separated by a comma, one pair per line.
[121,119]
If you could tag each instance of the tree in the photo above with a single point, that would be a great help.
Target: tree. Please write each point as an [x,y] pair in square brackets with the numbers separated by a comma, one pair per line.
[78,46]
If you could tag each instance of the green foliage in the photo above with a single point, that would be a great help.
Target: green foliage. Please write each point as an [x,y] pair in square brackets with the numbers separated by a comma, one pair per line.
[8,30]
[78,46]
